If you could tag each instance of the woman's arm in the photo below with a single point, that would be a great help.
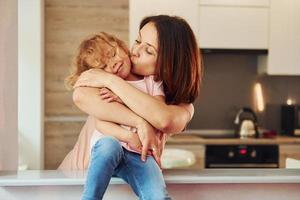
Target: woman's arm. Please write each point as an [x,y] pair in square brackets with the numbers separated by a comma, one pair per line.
[167,118]
[124,135]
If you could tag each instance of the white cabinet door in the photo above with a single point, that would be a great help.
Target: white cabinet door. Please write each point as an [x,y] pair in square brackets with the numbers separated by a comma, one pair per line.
[284,44]
[233,27]
[235,2]
[220,24]
[138,9]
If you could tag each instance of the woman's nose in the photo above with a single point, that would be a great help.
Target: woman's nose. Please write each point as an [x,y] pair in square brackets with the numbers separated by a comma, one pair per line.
[135,50]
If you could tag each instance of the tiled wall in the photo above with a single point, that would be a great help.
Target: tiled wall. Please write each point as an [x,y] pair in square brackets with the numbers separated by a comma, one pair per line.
[228,85]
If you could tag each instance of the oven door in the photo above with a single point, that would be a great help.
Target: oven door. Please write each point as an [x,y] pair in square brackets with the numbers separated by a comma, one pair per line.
[241,156]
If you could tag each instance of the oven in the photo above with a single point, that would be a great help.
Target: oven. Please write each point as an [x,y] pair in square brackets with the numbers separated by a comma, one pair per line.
[242,156]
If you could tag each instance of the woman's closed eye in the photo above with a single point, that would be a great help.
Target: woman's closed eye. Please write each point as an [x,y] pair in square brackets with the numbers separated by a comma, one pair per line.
[149,51]
[146,48]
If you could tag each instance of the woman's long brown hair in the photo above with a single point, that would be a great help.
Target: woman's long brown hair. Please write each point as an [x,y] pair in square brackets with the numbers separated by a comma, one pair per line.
[179,62]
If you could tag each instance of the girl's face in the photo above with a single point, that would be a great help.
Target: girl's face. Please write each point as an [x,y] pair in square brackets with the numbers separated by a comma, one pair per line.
[118,62]
[144,51]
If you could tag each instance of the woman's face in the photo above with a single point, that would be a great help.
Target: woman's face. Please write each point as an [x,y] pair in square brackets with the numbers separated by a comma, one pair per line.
[144,51]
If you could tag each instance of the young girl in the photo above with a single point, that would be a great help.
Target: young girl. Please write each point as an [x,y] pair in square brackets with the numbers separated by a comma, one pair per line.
[98,52]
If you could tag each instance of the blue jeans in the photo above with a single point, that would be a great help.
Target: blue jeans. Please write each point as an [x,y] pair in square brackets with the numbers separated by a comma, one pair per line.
[109,159]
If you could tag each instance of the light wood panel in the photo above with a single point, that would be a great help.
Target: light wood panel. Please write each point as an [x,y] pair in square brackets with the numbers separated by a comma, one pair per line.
[61,104]
[67,23]
[60,138]
[288,151]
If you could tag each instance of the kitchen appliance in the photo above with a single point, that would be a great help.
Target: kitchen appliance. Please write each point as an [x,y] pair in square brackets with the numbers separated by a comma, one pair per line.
[246,123]
[290,120]
[241,156]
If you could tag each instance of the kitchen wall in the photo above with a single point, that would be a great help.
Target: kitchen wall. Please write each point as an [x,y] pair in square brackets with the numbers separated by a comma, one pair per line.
[227,85]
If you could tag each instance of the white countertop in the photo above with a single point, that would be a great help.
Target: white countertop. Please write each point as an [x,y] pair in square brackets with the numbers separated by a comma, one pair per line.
[188,138]
[55,177]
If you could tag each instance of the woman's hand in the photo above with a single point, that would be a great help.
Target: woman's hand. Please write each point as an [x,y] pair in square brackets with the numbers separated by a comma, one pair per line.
[93,78]
[134,142]
[108,96]
[149,139]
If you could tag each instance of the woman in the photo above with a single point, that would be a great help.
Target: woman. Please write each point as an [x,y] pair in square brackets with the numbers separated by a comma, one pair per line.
[167,47]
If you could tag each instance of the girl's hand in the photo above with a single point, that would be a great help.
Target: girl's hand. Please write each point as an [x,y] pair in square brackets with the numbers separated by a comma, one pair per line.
[149,139]
[108,96]
[93,78]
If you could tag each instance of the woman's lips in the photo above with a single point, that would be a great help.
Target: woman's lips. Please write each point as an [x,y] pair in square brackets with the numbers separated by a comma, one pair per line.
[133,59]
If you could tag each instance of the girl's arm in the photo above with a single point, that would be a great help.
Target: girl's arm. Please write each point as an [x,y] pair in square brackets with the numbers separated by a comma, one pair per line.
[122,134]
[89,101]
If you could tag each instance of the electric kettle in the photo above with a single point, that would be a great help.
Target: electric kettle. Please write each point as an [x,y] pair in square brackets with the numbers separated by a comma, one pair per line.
[246,123]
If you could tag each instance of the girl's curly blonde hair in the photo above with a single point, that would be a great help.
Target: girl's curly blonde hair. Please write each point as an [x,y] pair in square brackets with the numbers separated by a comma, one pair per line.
[92,54]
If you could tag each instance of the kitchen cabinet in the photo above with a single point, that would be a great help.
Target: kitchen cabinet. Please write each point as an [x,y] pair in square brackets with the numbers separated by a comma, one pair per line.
[217,24]
[229,24]
[289,147]
[288,151]
[285,151]
[284,39]
[139,9]
[253,3]
[225,24]
[198,150]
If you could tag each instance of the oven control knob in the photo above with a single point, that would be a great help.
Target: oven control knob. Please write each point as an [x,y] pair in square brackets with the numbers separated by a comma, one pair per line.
[230,154]
[253,154]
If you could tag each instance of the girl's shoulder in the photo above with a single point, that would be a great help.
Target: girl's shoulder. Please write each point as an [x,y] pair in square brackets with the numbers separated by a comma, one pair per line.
[150,77]
[151,80]
[155,88]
